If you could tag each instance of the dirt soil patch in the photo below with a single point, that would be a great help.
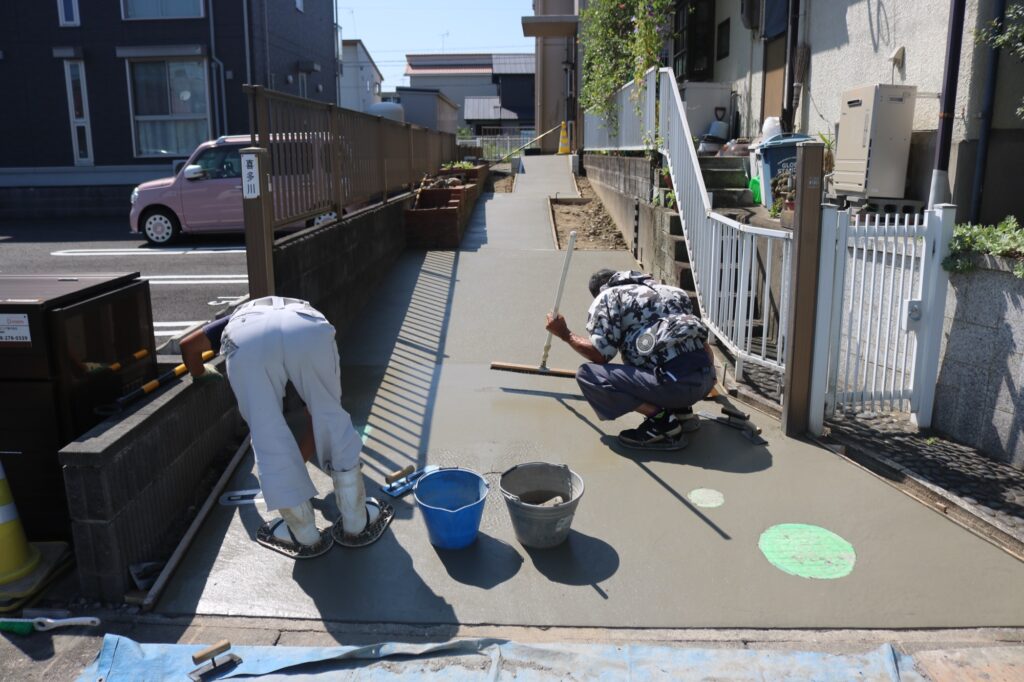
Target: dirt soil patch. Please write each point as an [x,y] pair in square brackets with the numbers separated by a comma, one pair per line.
[595,229]
[500,178]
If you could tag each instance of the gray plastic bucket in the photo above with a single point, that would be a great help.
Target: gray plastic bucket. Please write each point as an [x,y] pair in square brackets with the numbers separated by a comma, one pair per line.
[542,500]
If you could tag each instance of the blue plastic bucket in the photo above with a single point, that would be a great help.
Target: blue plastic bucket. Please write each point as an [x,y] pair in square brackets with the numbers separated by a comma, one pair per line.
[452,502]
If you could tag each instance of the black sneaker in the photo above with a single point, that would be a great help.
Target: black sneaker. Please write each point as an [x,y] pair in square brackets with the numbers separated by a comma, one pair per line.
[687,419]
[660,432]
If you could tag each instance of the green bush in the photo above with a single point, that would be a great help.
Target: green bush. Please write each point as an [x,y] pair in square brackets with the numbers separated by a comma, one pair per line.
[1005,240]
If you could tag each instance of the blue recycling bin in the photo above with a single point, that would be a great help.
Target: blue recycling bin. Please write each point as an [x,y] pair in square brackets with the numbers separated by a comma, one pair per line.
[778,154]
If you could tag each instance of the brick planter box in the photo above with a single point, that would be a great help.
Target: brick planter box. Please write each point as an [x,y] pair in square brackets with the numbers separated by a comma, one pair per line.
[476,174]
[440,217]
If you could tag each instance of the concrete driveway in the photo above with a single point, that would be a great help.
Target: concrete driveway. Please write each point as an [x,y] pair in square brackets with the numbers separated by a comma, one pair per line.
[643,551]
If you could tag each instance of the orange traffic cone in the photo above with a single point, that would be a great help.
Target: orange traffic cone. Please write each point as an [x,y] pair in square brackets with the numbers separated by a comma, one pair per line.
[563,140]
[17,557]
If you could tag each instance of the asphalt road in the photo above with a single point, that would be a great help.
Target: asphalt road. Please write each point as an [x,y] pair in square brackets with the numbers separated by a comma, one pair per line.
[189,281]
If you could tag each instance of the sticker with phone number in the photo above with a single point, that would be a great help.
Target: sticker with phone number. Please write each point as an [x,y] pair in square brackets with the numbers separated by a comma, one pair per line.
[14,329]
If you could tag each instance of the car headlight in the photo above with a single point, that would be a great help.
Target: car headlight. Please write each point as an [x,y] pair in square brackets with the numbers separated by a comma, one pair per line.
[135,195]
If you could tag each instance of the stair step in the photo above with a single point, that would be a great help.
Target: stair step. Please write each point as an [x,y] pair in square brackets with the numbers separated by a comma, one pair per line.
[680,254]
[721,162]
[731,198]
[675,225]
[724,178]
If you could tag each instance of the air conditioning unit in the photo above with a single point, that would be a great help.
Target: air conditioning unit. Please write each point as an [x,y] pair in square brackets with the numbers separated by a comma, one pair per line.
[875,122]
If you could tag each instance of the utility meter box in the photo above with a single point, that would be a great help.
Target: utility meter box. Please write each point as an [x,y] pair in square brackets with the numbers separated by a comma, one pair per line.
[875,122]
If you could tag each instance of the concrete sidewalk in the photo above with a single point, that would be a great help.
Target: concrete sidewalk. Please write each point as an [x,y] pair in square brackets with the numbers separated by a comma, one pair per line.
[642,553]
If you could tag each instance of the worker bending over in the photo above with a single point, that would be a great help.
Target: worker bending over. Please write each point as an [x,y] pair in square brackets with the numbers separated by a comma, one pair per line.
[267,343]
[667,367]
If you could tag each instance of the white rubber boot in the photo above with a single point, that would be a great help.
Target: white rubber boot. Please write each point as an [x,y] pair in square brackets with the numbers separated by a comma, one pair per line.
[350,496]
[301,522]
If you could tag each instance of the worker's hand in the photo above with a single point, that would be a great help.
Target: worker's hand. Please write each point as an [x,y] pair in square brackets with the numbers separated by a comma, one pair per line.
[556,325]
[209,374]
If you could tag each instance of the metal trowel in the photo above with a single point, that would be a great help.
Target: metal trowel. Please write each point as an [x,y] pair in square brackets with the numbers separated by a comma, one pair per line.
[399,483]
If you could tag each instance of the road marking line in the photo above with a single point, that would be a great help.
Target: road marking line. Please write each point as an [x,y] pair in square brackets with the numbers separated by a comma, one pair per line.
[196,279]
[150,251]
[184,323]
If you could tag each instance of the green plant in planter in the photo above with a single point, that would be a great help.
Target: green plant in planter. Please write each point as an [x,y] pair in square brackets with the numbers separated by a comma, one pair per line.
[1005,240]
[457,165]
[776,210]
[670,199]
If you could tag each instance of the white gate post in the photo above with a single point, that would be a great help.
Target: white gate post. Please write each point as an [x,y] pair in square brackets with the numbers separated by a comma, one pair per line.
[838,308]
[938,235]
[823,318]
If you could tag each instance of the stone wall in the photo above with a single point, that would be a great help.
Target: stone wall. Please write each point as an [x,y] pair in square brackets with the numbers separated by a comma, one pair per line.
[337,267]
[981,377]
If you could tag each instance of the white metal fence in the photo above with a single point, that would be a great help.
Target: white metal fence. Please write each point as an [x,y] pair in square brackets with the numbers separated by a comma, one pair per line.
[881,303]
[499,146]
[632,125]
[741,272]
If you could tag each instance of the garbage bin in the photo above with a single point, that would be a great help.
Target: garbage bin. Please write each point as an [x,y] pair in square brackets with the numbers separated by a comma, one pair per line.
[778,155]
[67,345]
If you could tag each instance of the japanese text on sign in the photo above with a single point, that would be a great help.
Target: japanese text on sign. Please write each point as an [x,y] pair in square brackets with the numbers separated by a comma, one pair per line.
[250,176]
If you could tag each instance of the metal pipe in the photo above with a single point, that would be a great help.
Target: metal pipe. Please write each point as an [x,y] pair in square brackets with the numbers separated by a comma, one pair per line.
[939,191]
[987,105]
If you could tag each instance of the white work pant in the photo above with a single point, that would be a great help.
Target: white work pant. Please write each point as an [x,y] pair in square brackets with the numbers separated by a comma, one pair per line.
[269,342]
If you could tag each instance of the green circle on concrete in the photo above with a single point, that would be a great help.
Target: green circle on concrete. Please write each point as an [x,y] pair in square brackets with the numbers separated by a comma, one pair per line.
[706,497]
[807,551]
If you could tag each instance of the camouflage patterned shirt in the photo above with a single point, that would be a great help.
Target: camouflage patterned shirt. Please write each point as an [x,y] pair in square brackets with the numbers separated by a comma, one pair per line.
[632,304]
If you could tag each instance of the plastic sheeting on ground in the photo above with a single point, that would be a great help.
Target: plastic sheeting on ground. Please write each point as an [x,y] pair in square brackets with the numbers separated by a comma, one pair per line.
[490,659]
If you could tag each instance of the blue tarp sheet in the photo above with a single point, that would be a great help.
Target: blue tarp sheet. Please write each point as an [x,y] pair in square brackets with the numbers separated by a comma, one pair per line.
[489,659]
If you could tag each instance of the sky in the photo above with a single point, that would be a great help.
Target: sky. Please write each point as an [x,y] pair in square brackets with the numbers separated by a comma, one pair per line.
[390,29]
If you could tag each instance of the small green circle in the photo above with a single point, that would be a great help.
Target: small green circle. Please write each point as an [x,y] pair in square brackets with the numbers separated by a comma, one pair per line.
[706,497]
[807,551]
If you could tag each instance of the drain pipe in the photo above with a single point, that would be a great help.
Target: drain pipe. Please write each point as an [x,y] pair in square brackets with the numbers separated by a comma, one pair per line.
[988,103]
[248,53]
[939,191]
[221,97]
[792,39]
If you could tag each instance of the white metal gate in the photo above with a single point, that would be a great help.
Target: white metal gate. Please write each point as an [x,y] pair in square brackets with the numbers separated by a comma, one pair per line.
[881,302]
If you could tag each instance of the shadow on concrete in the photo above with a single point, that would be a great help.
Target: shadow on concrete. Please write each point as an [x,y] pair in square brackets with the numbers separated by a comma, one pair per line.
[476,231]
[396,389]
[486,563]
[580,560]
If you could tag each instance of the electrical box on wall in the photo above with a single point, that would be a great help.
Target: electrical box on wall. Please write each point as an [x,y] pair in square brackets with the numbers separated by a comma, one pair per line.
[873,146]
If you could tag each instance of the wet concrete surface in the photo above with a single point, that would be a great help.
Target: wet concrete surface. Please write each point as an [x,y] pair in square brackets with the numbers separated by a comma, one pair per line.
[416,376]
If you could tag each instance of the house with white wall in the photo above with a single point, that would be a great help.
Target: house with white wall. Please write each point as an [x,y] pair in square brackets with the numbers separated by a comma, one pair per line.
[796,59]
[360,78]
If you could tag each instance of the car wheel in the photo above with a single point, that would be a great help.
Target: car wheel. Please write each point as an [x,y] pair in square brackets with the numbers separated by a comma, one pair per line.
[160,227]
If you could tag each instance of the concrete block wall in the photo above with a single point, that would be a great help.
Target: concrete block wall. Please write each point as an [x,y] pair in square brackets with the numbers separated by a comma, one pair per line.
[623,184]
[980,392]
[337,267]
[134,481]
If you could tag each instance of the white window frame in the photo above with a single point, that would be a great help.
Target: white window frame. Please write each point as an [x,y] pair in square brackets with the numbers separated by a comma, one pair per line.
[63,20]
[131,107]
[125,17]
[83,122]
[303,85]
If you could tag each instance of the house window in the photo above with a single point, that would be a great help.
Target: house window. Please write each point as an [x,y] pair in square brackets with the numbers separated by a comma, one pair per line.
[693,55]
[169,106]
[303,85]
[78,112]
[722,41]
[161,9]
[67,12]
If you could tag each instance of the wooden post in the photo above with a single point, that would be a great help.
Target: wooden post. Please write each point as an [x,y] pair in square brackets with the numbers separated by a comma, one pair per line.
[803,287]
[258,212]
[412,156]
[334,149]
[382,154]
